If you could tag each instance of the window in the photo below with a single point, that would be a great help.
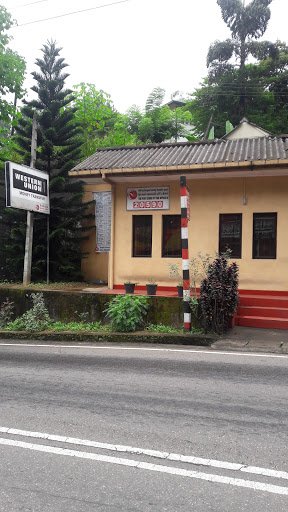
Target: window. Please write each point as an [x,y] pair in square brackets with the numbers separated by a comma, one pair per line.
[230,233]
[142,236]
[171,241]
[264,235]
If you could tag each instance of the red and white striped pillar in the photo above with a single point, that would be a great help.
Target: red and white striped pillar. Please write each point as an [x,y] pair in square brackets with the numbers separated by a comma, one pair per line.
[185,216]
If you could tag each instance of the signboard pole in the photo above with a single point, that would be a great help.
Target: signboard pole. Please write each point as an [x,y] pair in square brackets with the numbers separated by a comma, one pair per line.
[184,195]
[30,215]
[48,250]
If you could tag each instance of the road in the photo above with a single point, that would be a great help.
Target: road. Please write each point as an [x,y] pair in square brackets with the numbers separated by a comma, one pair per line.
[117,428]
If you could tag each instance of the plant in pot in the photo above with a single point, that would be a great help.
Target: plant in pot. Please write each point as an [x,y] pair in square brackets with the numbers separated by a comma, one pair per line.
[174,271]
[129,287]
[151,287]
[180,288]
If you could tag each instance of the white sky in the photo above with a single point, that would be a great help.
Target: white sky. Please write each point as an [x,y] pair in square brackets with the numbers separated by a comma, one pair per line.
[129,48]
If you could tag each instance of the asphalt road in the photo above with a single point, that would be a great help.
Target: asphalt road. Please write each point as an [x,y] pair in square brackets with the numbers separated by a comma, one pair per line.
[146,429]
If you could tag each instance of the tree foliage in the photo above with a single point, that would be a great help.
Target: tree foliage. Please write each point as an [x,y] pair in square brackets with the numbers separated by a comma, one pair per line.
[236,87]
[103,126]
[12,71]
[247,24]
[94,112]
[58,149]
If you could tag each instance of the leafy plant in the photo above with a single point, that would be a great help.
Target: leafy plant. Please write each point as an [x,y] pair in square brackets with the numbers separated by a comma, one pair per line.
[194,307]
[198,267]
[219,295]
[83,317]
[17,325]
[175,272]
[6,312]
[151,281]
[35,319]
[126,312]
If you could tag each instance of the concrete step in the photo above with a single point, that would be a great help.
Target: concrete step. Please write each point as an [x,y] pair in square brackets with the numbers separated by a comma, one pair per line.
[273,301]
[262,322]
[262,311]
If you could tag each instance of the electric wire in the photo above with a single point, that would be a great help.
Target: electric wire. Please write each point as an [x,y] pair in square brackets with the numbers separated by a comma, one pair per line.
[70,13]
[30,3]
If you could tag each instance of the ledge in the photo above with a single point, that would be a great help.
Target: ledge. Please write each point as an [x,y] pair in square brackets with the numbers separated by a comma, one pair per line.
[202,340]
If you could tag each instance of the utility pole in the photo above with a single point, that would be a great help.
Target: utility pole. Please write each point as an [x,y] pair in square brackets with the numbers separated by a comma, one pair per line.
[30,215]
[208,128]
[185,216]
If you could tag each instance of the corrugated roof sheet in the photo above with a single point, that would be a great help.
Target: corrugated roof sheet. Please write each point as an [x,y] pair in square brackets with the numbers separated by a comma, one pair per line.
[187,153]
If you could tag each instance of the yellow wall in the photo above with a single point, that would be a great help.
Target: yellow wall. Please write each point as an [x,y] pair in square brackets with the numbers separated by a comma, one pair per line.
[208,199]
[94,266]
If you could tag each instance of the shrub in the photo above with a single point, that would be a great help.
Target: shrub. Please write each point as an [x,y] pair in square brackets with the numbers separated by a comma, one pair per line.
[35,319]
[6,312]
[126,312]
[219,295]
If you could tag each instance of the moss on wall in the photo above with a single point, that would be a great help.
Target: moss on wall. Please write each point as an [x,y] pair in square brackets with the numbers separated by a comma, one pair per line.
[66,306]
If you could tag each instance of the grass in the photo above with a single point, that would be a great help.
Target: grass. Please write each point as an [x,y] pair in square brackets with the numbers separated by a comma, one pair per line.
[168,329]
[98,327]
[80,327]
[51,286]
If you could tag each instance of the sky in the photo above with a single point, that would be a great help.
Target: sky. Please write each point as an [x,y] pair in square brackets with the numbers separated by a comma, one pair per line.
[129,47]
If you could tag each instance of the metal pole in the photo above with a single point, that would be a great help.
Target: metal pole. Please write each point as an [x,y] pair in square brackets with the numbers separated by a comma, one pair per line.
[30,215]
[48,249]
[185,253]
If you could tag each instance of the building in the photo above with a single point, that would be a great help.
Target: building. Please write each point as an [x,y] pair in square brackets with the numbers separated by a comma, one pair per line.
[238,198]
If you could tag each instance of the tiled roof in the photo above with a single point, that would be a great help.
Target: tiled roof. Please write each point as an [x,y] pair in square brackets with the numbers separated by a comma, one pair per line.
[188,153]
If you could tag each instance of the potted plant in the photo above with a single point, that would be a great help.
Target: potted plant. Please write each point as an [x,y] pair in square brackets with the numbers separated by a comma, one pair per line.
[180,289]
[174,271]
[151,287]
[129,287]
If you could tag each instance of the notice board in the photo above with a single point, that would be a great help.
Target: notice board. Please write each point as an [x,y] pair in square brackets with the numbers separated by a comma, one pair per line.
[103,221]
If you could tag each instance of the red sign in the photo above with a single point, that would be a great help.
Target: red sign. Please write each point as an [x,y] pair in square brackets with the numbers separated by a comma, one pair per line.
[148,198]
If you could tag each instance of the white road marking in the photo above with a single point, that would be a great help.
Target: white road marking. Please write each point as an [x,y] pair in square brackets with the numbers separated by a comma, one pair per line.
[148,349]
[256,486]
[198,461]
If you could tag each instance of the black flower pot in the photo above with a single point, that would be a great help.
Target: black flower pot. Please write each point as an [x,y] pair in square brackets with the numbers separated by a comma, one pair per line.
[180,291]
[129,287]
[151,289]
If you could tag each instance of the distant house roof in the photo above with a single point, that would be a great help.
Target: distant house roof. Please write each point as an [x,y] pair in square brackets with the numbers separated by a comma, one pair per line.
[175,104]
[220,153]
[246,129]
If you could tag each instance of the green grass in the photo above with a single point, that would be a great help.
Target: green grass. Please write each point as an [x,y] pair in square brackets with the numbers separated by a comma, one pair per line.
[51,286]
[80,327]
[168,329]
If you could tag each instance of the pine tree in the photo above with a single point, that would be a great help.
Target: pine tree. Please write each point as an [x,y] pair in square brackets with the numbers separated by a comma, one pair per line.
[58,150]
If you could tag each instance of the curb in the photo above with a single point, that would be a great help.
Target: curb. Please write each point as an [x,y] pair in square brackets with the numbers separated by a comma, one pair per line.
[202,340]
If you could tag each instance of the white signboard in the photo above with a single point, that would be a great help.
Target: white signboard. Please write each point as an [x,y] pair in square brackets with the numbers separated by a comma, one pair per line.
[103,221]
[148,198]
[27,188]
